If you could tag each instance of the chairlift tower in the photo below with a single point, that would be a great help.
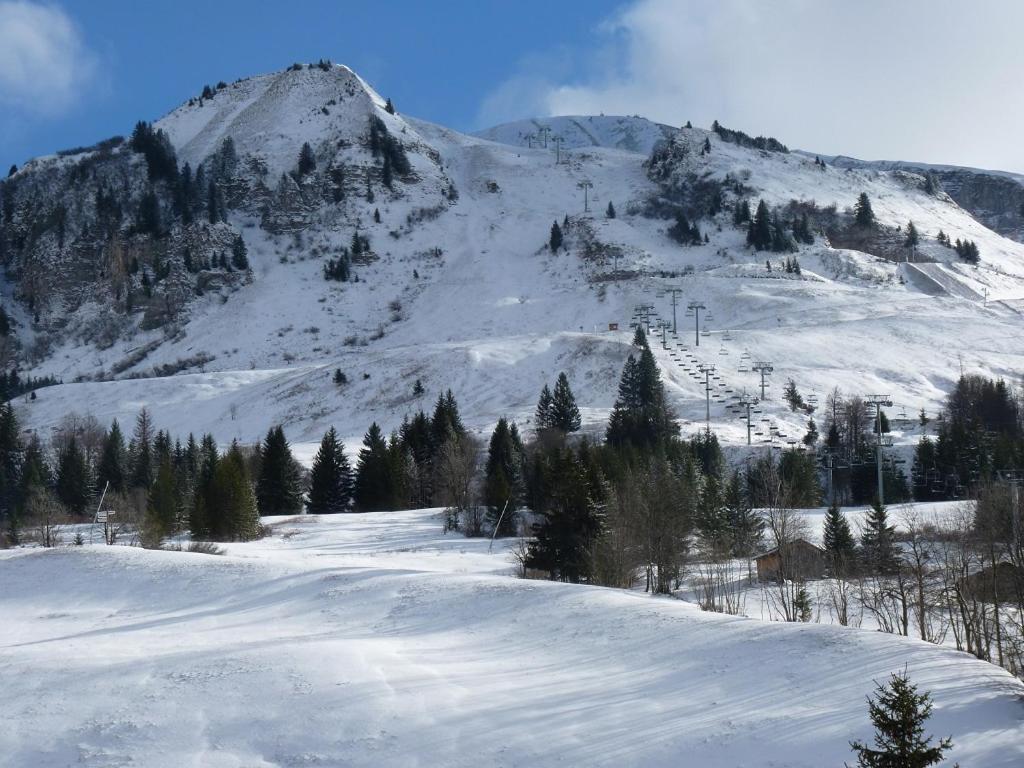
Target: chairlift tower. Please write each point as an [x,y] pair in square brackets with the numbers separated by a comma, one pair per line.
[586,186]
[544,131]
[765,368]
[644,312]
[1015,479]
[557,141]
[879,402]
[674,294]
[707,370]
[695,307]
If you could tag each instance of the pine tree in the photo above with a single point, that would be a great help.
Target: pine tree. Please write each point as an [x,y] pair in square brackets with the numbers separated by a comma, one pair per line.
[417,388]
[571,522]
[373,485]
[641,415]
[610,211]
[759,233]
[565,416]
[741,213]
[307,160]
[544,404]
[811,436]
[389,107]
[898,713]
[73,487]
[330,489]
[161,518]
[877,541]
[277,489]
[232,510]
[912,238]
[112,467]
[142,448]
[503,478]
[199,519]
[837,537]
[864,215]
[555,240]
[239,254]
[640,338]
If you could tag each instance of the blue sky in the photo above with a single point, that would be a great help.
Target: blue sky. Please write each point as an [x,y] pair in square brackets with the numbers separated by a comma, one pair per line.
[437,60]
[928,80]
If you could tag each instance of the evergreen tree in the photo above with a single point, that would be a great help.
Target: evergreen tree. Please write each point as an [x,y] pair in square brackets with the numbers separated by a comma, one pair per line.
[838,538]
[417,388]
[199,520]
[811,437]
[610,211]
[330,487]
[571,522]
[73,487]
[112,466]
[142,452]
[307,160]
[161,518]
[640,338]
[277,489]
[239,254]
[389,107]
[373,485]
[877,541]
[641,416]
[912,237]
[503,478]
[741,213]
[544,404]
[232,506]
[759,233]
[555,240]
[864,215]
[565,416]
[898,713]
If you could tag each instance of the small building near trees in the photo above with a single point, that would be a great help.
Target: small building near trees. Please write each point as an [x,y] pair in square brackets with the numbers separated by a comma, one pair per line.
[797,560]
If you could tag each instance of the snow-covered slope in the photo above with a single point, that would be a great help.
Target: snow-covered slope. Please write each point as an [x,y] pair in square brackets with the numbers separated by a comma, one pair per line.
[374,640]
[461,291]
[630,134]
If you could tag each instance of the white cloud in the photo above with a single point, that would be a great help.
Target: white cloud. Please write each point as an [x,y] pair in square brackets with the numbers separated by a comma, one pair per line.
[44,62]
[933,80]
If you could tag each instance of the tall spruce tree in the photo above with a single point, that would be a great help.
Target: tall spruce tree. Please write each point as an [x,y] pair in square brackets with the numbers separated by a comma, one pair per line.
[877,541]
[161,518]
[543,415]
[838,538]
[863,213]
[73,485]
[898,713]
[307,160]
[641,416]
[112,467]
[142,469]
[233,513]
[330,489]
[374,481]
[503,479]
[277,489]
[759,232]
[555,238]
[570,521]
[565,416]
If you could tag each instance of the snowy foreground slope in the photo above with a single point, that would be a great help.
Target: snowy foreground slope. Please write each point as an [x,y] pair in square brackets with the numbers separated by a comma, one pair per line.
[374,640]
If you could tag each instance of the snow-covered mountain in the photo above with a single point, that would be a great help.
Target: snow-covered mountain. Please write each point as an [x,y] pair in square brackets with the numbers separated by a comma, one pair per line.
[456,285]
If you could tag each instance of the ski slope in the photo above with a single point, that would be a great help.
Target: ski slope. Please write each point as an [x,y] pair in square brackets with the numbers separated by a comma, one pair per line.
[375,640]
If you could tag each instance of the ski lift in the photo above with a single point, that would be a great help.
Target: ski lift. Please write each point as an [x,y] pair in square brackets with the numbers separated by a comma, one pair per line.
[723,351]
[727,336]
